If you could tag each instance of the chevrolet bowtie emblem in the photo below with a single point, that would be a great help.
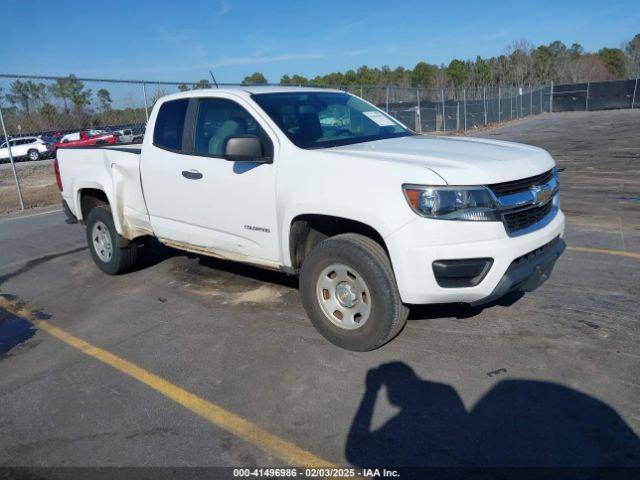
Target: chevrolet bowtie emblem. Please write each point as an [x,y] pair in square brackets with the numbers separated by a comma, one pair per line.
[541,194]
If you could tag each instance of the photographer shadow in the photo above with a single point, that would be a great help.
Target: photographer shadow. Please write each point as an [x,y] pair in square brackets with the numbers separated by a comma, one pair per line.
[519,423]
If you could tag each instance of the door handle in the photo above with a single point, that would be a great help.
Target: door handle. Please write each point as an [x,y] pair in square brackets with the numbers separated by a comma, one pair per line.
[191,174]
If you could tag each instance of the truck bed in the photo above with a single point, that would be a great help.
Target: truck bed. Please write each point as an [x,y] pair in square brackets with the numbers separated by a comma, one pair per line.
[122,147]
[113,169]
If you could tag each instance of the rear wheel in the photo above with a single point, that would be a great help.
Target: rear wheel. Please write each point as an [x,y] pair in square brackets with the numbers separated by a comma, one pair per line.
[349,291]
[33,154]
[103,240]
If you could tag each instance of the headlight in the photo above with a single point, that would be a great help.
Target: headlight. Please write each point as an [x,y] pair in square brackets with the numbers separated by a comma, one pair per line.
[452,203]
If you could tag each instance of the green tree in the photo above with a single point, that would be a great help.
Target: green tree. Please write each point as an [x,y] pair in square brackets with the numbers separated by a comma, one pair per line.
[28,96]
[293,80]
[457,72]
[79,95]
[543,63]
[385,75]
[422,74]
[576,51]
[104,99]
[558,48]
[298,80]
[333,78]
[401,77]
[48,111]
[482,72]
[60,89]
[255,78]
[615,61]
[499,68]
[71,90]
[350,77]
[19,95]
[200,84]
[366,76]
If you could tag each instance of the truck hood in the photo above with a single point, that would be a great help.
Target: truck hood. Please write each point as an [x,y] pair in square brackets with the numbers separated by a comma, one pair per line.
[458,160]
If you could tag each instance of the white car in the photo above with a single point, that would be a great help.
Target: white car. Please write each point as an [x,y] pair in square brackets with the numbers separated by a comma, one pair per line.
[371,216]
[32,148]
[72,137]
[124,135]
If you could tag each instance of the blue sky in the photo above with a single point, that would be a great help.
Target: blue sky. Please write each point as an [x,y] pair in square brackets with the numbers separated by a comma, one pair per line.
[170,40]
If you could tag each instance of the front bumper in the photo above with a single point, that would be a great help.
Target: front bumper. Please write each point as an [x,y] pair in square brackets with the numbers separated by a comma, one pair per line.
[527,272]
[415,247]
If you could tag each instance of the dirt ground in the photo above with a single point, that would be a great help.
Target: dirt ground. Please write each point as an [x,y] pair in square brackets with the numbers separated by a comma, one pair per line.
[38,185]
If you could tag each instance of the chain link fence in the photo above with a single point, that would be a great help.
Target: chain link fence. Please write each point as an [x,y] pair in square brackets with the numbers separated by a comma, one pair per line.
[40,112]
[459,109]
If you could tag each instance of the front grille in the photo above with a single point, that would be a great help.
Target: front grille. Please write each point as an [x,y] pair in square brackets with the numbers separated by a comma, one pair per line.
[525,218]
[522,185]
[534,253]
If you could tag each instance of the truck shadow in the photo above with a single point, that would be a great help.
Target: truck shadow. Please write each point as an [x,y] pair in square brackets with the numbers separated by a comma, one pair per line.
[459,310]
[155,253]
[518,423]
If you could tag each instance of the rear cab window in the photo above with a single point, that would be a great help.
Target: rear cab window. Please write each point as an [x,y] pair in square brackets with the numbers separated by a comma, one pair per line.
[169,127]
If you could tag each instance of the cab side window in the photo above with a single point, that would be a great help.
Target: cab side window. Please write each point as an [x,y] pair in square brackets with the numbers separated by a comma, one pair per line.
[169,127]
[218,119]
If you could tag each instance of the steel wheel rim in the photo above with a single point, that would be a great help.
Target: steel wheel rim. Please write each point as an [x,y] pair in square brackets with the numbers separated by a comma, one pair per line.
[33,155]
[102,244]
[344,296]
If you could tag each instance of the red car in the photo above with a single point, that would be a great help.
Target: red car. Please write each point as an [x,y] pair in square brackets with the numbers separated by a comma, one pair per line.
[86,138]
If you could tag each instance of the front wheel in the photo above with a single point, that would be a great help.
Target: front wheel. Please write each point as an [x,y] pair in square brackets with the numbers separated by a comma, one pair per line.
[34,155]
[102,238]
[350,294]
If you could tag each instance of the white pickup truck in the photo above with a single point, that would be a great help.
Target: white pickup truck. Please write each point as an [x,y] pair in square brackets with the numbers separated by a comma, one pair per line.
[321,184]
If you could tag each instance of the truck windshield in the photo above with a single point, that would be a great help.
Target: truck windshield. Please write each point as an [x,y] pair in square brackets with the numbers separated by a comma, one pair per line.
[328,119]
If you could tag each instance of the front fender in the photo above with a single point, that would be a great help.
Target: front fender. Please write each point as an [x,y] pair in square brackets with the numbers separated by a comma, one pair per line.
[384,226]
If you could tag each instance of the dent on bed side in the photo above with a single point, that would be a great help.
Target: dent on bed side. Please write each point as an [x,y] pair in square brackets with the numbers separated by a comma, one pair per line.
[128,199]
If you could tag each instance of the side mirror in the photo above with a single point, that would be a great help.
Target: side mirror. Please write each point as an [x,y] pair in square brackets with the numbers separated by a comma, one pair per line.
[244,149]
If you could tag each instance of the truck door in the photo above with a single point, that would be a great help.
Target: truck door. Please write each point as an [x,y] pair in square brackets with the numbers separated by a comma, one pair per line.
[197,197]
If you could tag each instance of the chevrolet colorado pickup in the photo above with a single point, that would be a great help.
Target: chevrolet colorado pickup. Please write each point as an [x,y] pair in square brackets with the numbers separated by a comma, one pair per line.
[321,184]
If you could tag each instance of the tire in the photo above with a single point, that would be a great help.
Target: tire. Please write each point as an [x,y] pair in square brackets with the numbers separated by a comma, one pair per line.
[368,290]
[33,155]
[103,238]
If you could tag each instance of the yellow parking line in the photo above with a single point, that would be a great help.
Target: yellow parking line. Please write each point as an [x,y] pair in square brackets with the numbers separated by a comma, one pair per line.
[605,251]
[232,423]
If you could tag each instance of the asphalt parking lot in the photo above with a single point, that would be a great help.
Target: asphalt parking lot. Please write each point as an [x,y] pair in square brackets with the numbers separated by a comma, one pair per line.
[551,378]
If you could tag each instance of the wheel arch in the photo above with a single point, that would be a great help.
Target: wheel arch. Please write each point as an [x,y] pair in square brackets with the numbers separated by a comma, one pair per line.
[306,230]
[91,195]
